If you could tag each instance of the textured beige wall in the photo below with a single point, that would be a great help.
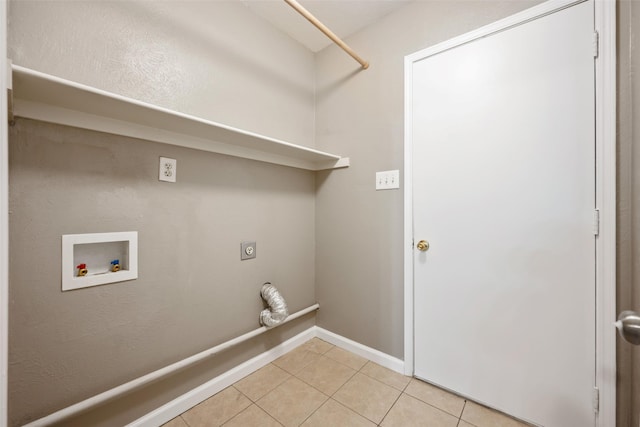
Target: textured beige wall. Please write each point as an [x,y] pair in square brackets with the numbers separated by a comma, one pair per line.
[212,59]
[192,292]
[190,64]
[628,204]
[359,264]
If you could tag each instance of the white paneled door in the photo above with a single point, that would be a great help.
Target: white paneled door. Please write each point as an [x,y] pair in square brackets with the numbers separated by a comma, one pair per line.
[503,136]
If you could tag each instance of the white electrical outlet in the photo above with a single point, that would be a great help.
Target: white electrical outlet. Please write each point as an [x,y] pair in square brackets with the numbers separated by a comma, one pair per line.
[387,180]
[167,170]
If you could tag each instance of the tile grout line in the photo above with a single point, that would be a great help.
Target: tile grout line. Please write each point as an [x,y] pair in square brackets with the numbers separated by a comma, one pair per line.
[390,408]
[374,378]
[434,406]
[271,416]
[333,360]
[268,391]
[315,410]
[344,364]
[359,370]
[242,394]
[317,389]
[407,385]
[295,375]
[460,417]
[377,380]
[256,401]
[352,409]
[239,391]
[329,397]
[462,412]
[183,420]
[292,375]
[247,408]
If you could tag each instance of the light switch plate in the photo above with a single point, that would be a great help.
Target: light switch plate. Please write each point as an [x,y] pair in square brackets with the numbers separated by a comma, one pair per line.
[388,180]
[247,250]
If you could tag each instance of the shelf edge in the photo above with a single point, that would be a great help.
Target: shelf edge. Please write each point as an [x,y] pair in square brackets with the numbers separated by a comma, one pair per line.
[308,158]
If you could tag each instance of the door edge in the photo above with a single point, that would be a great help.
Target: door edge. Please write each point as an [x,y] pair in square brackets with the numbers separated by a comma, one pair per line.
[605,92]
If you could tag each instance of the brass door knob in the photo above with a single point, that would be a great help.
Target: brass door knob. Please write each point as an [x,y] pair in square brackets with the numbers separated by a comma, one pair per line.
[423,245]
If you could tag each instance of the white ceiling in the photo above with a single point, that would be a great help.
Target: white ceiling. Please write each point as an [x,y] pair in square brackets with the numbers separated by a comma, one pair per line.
[343,17]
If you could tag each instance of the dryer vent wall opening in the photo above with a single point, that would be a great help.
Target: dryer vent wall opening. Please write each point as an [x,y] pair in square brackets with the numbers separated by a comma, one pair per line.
[277,311]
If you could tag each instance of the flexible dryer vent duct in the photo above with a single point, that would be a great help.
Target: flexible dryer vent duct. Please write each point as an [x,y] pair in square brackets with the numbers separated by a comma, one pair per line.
[277,311]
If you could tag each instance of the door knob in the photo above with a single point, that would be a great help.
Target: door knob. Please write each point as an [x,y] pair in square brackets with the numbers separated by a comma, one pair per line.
[628,325]
[423,245]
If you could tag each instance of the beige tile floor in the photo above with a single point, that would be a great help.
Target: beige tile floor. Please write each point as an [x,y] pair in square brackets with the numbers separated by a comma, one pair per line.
[319,384]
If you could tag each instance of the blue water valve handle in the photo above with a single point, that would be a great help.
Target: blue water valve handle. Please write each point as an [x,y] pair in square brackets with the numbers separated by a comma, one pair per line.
[115,265]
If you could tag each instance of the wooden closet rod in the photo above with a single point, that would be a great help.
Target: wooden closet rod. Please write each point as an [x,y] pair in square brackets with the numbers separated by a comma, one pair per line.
[304,12]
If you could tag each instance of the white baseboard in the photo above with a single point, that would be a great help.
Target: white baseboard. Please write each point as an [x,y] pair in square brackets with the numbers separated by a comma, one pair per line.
[369,353]
[190,399]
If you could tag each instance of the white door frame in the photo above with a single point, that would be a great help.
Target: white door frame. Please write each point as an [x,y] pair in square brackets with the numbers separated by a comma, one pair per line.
[605,92]
[4,216]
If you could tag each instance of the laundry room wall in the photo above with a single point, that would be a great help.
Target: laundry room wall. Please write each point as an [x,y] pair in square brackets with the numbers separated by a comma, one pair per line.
[215,60]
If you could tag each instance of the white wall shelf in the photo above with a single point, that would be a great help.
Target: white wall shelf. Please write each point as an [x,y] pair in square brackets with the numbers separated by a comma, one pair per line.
[51,99]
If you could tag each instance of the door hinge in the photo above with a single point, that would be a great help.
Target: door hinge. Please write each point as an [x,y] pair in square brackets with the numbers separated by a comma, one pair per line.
[10,117]
[596,399]
[596,222]
[596,44]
